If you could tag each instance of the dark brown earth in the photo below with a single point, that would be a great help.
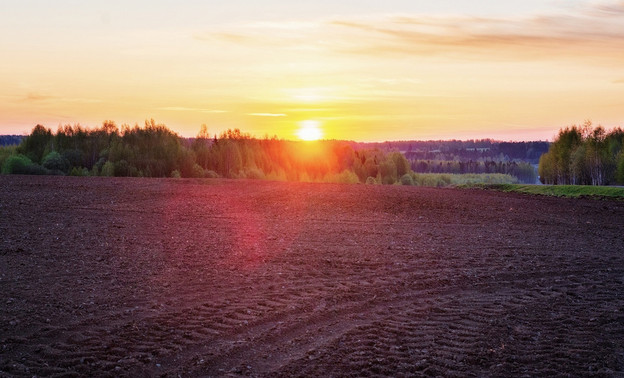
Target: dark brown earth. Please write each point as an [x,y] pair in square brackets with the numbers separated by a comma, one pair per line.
[150,277]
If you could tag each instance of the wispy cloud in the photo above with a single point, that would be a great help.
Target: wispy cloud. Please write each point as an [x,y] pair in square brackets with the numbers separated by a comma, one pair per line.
[590,33]
[187,109]
[36,97]
[610,8]
[539,38]
[81,100]
[267,114]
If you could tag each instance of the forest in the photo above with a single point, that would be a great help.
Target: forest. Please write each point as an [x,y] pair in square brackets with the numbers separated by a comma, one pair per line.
[584,155]
[10,140]
[156,151]
[464,150]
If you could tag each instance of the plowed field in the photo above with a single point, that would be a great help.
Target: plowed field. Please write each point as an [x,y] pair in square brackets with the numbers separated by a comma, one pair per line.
[151,277]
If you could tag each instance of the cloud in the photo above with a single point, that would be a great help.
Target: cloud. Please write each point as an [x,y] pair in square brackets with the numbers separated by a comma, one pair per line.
[583,35]
[610,8]
[618,81]
[36,97]
[285,34]
[267,114]
[81,100]
[187,109]
[545,37]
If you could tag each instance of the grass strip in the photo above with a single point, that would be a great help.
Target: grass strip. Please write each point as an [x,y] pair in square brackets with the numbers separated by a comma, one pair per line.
[569,191]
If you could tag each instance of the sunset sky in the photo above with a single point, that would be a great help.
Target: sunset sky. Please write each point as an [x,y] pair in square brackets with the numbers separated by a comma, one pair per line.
[363,70]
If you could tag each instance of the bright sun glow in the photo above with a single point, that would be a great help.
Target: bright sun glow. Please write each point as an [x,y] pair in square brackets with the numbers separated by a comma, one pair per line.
[310,130]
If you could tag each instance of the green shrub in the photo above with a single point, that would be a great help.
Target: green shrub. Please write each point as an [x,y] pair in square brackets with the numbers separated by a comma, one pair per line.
[21,165]
[75,158]
[432,179]
[79,171]
[407,179]
[371,181]
[197,171]
[5,153]
[442,180]
[16,164]
[176,174]
[619,170]
[388,172]
[108,169]
[122,168]
[55,162]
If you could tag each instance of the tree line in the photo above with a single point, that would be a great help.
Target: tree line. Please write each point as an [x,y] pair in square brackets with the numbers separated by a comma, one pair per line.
[584,155]
[476,149]
[155,151]
[10,140]
[523,171]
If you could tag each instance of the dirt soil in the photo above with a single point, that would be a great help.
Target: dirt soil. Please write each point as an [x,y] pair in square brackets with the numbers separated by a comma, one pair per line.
[164,277]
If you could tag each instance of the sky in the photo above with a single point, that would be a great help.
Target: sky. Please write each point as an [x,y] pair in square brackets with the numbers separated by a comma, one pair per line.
[359,69]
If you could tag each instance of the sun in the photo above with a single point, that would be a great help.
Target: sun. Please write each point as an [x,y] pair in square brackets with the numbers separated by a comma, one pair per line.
[310,130]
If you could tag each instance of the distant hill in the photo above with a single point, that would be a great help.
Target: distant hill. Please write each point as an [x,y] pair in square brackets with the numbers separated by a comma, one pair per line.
[10,140]
[483,149]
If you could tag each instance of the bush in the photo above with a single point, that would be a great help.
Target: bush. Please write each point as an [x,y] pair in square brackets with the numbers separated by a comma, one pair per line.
[371,181]
[407,179]
[75,158]
[197,171]
[254,174]
[211,174]
[176,174]
[79,171]
[432,179]
[5,153]
[388,172]
[55,162]
[122,168]
[21,165]
[344,177]
[619,173]
[108,169]
[442,180]
[16,164]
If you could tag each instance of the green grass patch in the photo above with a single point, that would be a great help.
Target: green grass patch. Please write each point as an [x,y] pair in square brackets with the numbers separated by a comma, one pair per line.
[448,179]
[570,191]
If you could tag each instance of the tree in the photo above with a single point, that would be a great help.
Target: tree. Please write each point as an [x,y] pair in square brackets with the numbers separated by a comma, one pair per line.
[36,145]
[388,171]
[587,155]
[55,162]
[619,175]
[547,170]
[21,165]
